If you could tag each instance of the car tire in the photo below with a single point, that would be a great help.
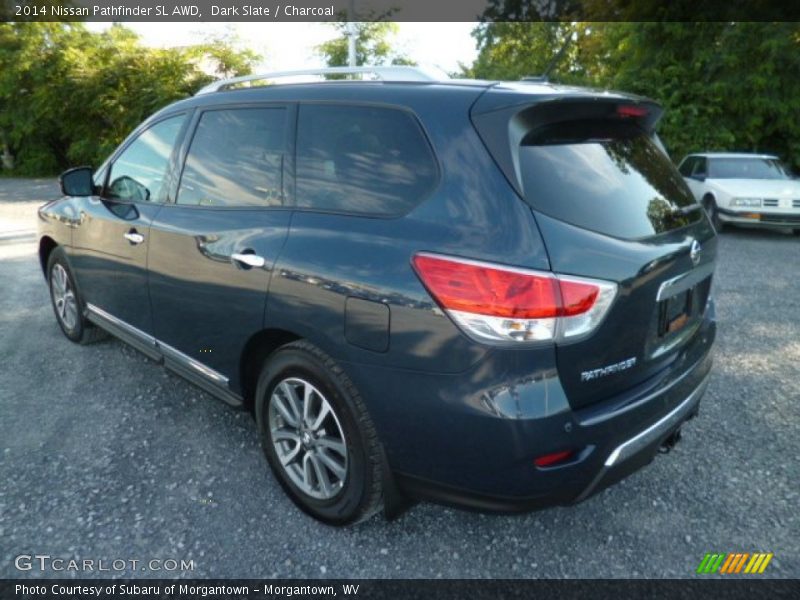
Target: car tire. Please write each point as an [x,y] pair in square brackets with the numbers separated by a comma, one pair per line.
[67,302]
[713,213]
[317,435]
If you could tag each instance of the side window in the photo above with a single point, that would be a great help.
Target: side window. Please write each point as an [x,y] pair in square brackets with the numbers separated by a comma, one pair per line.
[361,159]
[700,167]
[686,166]
[236,159]
[138,174]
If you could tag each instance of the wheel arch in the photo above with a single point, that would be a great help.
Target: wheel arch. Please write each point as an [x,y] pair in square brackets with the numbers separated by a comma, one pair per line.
[46,247]
[260,345]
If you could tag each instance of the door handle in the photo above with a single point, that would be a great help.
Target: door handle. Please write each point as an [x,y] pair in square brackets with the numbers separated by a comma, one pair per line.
[250,260]
[133,237]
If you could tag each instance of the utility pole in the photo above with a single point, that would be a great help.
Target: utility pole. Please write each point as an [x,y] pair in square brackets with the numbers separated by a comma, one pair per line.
[351,34]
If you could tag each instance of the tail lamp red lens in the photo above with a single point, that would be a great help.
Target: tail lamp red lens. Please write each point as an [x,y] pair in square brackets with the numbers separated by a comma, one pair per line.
[502,292]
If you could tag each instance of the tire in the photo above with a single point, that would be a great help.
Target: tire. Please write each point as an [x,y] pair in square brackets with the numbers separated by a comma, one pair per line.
[330,466]
[713,213]
[67,303]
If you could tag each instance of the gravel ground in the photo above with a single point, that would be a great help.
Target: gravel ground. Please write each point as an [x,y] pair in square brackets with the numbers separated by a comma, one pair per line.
[105,455]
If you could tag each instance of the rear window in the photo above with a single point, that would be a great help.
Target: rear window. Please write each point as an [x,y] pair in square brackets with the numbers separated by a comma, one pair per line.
[362,159]
[606,177]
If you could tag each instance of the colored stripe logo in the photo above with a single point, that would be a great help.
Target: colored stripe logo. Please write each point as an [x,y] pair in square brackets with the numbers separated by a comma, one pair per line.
[734,562]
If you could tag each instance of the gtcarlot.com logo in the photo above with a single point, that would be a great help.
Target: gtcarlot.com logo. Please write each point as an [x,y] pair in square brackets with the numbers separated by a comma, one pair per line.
[734,563]
[45,562]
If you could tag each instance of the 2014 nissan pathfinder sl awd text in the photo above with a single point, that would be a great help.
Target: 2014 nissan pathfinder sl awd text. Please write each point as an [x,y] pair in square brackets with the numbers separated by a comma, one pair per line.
[495,295]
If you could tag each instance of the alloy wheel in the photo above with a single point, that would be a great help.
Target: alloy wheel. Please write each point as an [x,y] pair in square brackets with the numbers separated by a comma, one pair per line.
[63,297]
[308,438]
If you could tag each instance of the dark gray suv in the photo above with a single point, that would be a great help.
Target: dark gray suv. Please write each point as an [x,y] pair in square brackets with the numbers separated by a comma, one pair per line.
[495,295]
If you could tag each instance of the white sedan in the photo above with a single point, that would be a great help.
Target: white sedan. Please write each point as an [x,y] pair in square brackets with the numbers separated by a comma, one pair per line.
[753,190]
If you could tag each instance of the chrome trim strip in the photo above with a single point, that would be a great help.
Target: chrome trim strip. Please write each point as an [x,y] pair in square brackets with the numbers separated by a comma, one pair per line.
[674,417]
[171,353]
[683,282]
[130,329]
[193,371]
[167,350]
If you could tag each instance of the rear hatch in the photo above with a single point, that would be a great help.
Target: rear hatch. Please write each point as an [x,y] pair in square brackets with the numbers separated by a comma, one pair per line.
[610,205]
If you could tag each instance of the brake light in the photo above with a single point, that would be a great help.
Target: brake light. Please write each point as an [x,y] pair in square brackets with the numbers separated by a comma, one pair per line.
[631,110]
[504,304]
[480,289]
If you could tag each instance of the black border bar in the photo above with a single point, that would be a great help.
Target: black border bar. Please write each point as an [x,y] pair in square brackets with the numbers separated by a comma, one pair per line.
[731,588]
[398,10]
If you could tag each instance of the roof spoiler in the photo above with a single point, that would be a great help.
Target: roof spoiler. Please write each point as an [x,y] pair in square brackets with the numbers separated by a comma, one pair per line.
[503,128]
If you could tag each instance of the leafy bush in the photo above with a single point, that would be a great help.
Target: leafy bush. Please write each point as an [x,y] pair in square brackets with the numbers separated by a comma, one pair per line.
[725,85]
[68,96]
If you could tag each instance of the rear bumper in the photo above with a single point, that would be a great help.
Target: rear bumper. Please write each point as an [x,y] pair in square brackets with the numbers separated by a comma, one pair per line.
[623,460]
[470,440]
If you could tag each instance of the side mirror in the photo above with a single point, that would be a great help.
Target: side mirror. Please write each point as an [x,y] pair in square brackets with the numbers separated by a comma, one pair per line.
[77,182]
[699,177]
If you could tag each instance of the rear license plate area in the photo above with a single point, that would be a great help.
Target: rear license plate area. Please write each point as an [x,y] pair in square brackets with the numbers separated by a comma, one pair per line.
[675,312]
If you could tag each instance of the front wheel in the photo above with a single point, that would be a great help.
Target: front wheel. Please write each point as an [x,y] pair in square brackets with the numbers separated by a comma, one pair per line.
[317,436]
[67,303]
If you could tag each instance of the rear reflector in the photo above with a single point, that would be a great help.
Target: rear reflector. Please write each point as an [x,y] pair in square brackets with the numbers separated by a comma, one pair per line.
[549,460]
[503,304]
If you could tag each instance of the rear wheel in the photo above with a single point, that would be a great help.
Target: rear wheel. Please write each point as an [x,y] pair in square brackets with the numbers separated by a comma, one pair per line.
[713,213]
[67,303]
[317,436]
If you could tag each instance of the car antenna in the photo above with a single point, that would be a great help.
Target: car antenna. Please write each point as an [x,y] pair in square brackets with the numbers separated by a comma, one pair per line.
[545,77]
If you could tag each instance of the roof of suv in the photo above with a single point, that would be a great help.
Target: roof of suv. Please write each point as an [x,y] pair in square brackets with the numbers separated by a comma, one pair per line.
[502,94]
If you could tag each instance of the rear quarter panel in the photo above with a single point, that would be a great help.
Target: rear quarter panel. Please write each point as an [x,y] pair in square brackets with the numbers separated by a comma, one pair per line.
[329,258]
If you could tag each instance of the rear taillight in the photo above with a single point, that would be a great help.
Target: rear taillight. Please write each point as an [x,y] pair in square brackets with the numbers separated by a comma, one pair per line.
[504,304]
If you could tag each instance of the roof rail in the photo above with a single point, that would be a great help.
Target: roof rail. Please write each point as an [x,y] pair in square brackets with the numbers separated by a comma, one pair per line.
[387,73]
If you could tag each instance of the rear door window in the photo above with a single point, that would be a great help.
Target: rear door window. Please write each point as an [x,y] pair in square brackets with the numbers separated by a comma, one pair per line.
[605,177]
[236,158]
[362,159]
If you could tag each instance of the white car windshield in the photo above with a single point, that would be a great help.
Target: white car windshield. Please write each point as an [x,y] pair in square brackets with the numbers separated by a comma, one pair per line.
[747,168]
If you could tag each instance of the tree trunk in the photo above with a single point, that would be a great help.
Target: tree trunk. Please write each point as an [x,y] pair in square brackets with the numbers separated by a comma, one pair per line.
[6,157]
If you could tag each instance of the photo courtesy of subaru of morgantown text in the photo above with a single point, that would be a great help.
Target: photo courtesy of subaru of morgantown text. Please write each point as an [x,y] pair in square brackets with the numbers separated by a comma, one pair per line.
[488,294]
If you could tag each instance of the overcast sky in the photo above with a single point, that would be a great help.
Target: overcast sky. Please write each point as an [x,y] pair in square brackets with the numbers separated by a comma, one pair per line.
[291,45]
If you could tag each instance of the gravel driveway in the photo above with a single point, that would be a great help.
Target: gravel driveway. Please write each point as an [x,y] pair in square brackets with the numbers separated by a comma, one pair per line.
[105,455]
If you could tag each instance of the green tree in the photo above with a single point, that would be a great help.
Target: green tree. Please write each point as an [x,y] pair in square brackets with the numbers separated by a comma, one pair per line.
[725,85]
[374,45]
[511,51]
[69,96]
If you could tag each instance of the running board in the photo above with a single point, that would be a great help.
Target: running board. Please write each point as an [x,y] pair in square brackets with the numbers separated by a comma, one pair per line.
[189,369]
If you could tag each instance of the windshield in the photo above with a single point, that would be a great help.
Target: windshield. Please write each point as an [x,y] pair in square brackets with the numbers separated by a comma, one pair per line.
[746,168]
[605,177]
